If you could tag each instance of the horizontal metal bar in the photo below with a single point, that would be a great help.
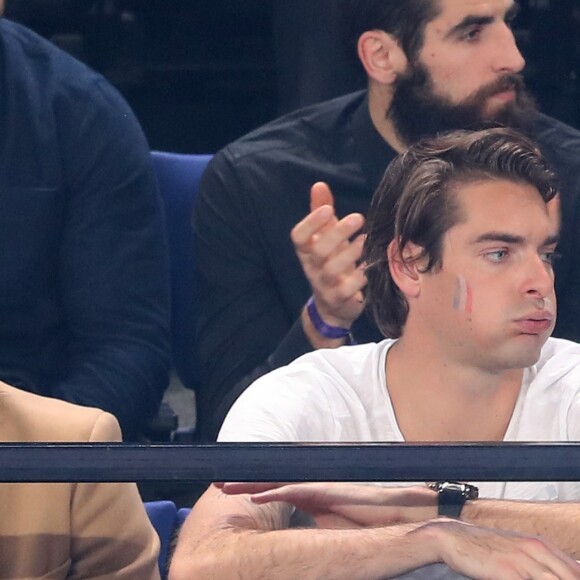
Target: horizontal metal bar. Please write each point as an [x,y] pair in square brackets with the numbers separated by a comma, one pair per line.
[283,462]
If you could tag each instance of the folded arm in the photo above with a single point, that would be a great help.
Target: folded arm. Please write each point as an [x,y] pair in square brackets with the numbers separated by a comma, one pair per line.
[355,505]
[232,537]
[557,521]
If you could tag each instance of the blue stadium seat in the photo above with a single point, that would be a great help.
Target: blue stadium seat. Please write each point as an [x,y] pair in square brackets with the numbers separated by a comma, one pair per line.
[182,514]
[163,516]
[178,177]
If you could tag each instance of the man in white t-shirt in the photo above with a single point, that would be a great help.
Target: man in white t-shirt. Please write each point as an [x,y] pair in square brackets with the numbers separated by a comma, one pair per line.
[458,253]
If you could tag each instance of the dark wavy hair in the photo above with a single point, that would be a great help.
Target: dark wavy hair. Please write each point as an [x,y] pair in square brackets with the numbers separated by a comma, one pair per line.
[404,19]
[416,202]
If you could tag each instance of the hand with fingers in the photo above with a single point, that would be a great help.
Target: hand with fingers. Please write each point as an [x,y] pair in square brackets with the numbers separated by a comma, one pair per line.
[329,251]
[334,504]
[487,554]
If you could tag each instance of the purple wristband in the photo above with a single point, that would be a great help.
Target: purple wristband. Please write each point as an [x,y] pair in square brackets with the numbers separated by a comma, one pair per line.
[322,328]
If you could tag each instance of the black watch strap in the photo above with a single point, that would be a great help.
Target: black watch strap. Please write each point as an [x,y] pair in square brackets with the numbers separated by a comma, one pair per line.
[452,496]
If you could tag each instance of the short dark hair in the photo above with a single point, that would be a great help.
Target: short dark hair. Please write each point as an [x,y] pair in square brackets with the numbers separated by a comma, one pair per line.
[404,19]
[416,202]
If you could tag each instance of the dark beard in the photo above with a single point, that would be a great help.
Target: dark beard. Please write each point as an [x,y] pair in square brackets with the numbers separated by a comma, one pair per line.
[416,111]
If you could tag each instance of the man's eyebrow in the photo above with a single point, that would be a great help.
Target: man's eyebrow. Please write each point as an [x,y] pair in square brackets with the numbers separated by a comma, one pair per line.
[468,22]
[551,240]
[473,20]
[512,239]
[499,237]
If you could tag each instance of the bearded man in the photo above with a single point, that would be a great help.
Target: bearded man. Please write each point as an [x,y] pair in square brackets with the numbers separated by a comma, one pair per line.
[277,284]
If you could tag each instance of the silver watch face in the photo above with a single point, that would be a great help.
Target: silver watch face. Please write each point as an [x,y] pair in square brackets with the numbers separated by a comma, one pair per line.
[465,489]
[454,486]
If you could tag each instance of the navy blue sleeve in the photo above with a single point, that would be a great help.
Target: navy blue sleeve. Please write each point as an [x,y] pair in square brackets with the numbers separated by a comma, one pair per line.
[113,263]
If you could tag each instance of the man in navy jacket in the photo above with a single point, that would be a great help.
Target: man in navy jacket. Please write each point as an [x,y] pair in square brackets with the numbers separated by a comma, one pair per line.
[83,269]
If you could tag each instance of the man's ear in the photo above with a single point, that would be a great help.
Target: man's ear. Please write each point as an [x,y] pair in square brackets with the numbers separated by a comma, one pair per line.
[381,56]
[405,268]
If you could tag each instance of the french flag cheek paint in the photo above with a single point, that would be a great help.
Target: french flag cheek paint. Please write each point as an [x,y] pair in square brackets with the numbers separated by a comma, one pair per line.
[463,296]
[468,300]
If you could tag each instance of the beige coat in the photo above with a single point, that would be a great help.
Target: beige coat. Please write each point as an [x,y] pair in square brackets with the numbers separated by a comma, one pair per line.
[68,530]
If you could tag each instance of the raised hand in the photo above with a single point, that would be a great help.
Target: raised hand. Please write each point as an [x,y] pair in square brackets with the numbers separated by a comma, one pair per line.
[329,252]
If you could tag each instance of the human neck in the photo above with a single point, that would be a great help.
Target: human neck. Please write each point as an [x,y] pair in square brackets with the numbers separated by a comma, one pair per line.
[380,98]
[443,400]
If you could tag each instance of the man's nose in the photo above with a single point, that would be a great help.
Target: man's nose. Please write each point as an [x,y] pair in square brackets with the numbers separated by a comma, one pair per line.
[508,57]
[539,278]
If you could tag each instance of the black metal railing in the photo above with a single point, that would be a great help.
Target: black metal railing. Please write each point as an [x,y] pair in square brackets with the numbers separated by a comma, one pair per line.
[289,462]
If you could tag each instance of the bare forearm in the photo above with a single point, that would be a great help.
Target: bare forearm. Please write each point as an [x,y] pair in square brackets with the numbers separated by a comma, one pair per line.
[559,522]
[232,537]
[304,553]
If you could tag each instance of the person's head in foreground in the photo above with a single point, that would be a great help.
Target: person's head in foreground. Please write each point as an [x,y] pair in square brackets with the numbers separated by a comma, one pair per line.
[461,236]
[438,65]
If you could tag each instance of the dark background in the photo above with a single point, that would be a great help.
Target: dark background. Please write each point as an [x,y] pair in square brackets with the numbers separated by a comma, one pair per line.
[199,73]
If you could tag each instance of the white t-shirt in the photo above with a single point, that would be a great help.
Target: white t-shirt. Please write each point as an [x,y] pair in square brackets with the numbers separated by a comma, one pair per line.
[340,395]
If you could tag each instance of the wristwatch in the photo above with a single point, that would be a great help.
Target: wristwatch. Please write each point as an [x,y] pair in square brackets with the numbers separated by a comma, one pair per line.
[452,496]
